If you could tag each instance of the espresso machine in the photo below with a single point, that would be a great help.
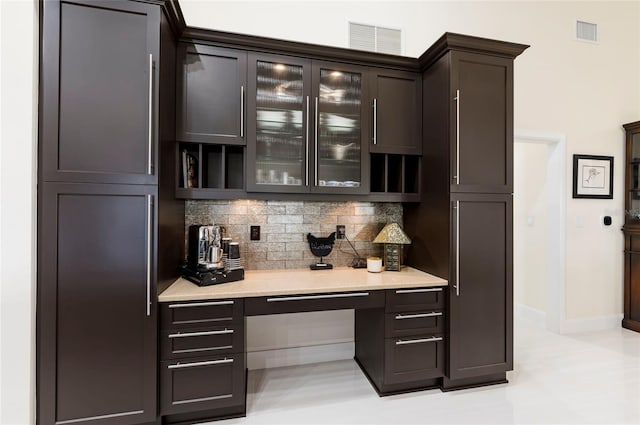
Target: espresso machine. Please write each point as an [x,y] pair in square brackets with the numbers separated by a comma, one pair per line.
[207,263]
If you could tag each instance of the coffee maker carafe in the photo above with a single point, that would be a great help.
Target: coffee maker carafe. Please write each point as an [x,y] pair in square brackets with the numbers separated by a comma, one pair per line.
[205,247]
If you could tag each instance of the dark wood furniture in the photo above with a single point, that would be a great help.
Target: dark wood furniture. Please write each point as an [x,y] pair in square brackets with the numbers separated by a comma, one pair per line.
[107,215]
[302,137]
[397,112]
[401,347]
[462,229]
[631,229]
[399,344]
[202,368]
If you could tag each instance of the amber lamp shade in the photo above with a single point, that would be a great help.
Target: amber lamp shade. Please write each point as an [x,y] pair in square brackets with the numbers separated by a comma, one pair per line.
[393,237]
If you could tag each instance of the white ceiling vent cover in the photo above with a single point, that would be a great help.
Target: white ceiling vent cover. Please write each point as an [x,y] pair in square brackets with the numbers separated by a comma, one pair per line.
[375,39]
[587,31]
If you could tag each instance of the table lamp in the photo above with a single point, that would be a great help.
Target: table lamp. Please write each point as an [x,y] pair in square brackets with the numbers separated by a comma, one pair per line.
[393,237]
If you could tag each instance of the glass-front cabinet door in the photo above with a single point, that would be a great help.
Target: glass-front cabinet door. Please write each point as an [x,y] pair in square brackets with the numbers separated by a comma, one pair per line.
[339,122]
[278,131]
[632,206]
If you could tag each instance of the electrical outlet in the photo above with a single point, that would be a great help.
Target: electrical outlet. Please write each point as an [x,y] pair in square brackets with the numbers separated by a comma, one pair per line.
[340,232]
[254,233]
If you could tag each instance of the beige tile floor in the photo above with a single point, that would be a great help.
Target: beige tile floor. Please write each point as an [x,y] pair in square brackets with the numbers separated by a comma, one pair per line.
[591,378]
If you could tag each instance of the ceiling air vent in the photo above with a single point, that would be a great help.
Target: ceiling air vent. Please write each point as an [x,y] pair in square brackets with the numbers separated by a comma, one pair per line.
[375,39]
[587,31]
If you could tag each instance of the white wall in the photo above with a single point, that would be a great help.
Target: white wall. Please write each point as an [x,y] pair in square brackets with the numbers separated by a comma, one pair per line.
[530,224]
[586,91]
[18,88]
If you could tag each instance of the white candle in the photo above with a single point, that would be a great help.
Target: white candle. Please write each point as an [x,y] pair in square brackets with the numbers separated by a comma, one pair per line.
[374,264]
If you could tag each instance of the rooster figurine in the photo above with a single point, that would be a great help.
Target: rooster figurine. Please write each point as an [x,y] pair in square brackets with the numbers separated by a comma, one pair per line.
[321,247]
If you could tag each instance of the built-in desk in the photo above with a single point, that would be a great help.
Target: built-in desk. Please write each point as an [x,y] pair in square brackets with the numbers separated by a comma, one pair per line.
[399,332]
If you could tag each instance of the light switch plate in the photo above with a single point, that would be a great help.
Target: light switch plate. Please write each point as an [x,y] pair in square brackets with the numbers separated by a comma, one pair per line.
[254,233]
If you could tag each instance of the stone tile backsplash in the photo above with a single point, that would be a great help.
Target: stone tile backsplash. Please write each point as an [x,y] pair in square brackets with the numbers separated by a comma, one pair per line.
[285,224]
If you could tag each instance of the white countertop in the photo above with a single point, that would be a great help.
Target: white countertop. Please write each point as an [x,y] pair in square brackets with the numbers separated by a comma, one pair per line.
[260,283]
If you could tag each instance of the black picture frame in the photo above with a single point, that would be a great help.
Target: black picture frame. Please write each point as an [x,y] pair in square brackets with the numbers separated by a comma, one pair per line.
[592,177]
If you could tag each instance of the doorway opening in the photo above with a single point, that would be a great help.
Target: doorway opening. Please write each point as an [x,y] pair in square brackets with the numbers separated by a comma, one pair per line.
[539,228]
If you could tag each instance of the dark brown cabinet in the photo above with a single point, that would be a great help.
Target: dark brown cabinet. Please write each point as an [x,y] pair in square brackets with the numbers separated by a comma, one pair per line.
[482,107]
[107,215]
[631,229]
[100,88]
[211,83]
[396,100]
[202,372]
[307,126]
[401,347]
[481,300]
[97,310]
[462,230]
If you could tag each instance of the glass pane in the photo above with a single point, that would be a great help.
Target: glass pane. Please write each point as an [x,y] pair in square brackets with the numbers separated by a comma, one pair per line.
[634,203]
[279,124]
[635,147]
[339,129]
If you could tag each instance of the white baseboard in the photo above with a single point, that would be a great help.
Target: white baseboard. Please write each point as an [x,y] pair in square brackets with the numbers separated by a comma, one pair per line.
[265,359]
[533,316]
[591,324]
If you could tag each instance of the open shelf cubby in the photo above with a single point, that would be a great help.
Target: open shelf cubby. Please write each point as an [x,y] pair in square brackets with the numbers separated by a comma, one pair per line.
[392,173]
[210,166]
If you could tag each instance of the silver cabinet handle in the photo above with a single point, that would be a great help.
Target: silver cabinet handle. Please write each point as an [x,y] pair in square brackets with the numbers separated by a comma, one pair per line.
[150,129]
[190,334]
[306,178]
[316,142]
[205,304]
[415,291]
[457,285]
[318,297]
[196,364]
[375,121]
[418,316]
[457,99]
[418,341]
[241,112]
[149,250]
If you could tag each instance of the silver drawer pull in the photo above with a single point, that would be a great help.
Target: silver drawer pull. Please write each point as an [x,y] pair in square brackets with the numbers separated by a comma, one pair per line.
[319,297]
[196,364]
[201,304]
[418,341]
[415,291]
[418,316]
[189,334]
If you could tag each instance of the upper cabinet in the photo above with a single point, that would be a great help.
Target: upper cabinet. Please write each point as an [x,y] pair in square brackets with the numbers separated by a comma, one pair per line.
[481,104]
[340,128]
[211,105]
[278,127]
[396,100]
[99,100]
[306,126]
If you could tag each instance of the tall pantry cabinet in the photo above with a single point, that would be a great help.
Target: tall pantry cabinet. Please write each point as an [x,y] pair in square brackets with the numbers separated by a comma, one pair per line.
[462,231]
[107,213]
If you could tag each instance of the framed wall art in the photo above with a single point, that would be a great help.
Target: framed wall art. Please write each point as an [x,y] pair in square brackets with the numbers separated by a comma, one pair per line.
[592,176]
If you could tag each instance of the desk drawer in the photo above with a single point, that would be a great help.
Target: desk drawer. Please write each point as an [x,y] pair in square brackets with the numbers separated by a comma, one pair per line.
[413,359]
[197,314]
[413,323]
[202,384]
[212,341]
[313,302]
[414,299]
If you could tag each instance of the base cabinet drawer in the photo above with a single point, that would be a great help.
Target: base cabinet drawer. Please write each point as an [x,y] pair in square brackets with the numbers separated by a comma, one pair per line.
[203,342]
[414,299]
[196,314]
[313,302]
[202,384]
[413,323]
[413,359]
